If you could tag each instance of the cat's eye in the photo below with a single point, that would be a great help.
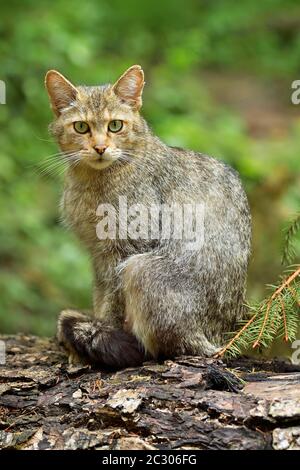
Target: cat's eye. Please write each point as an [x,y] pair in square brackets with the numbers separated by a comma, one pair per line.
[81,127]
[115,125]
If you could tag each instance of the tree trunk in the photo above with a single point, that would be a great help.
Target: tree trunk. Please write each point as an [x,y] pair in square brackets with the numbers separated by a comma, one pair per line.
[187,403]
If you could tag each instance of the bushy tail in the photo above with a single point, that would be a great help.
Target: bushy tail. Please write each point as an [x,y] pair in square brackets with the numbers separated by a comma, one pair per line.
[98,343]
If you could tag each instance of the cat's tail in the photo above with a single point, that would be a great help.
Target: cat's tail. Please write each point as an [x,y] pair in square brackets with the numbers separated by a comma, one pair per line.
[95,342]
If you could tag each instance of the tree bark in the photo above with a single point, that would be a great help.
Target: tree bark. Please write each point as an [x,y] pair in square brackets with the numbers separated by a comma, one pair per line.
[187,403]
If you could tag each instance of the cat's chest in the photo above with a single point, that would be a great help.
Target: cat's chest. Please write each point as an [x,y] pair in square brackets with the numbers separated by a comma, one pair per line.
[100,216]
[79,208]
[84,208]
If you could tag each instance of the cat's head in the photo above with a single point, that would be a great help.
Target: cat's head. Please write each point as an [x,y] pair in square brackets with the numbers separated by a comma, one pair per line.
[97,125]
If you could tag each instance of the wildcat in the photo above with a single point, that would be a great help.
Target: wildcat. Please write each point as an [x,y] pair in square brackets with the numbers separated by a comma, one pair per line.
[152,297]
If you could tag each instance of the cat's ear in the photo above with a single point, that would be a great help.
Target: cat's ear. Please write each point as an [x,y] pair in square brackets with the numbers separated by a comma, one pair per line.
[129,87]
[61,92]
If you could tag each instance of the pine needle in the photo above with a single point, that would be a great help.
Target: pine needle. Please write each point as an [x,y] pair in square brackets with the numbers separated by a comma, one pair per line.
[290,233]
[275,317]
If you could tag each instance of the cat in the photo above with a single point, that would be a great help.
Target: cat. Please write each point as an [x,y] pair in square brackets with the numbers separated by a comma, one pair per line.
[153,297]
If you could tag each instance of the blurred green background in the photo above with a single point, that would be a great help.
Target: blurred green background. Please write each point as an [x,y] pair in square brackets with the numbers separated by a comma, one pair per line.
[219,77]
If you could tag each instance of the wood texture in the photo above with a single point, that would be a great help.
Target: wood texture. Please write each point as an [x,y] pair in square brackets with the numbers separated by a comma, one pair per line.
[188,403]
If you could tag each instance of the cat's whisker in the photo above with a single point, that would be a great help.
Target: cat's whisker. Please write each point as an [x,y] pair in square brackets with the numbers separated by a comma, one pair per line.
[59,156]
[49,159]
[50,171]
[52,141]
[61,153]
[50,168]
[56,164]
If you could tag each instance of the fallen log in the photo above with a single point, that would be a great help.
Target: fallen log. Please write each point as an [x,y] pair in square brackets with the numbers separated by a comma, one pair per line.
[187,403]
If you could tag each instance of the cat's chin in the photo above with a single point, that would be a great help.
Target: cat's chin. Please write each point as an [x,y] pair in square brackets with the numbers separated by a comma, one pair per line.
[100,164]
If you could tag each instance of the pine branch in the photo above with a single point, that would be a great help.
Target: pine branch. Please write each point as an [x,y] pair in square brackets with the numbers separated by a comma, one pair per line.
[290,233]
[275,317]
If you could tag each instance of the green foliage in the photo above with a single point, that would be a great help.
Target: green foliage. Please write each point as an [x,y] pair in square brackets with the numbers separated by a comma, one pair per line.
[196,55]
[289,248]
[276,317]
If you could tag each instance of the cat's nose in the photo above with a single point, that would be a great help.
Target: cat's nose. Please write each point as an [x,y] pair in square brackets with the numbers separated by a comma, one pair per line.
[100,149]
